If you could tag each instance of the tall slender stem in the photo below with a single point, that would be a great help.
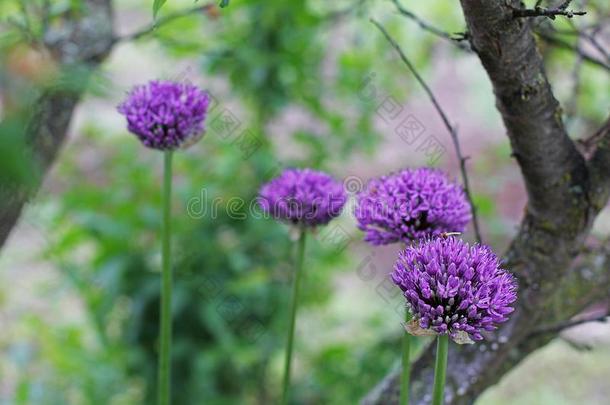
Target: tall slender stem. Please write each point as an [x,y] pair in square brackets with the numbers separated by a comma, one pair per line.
[405,378]
[293,314]
[166,288]
[440,370]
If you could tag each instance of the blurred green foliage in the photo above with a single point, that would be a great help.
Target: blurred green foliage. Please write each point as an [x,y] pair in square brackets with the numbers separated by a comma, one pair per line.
[231,272]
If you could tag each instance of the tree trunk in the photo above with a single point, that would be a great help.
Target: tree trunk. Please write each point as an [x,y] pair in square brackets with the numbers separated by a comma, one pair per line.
[79,42]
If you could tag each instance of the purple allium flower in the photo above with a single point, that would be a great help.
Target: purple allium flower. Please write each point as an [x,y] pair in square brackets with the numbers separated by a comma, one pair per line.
[452,287]
[409,205]
[303,197]
[166,115]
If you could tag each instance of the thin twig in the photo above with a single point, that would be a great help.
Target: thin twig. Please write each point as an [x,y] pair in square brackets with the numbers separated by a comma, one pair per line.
[590,26]
[455,39]
[450,128]
[164,20]
[560,43]
[558,327]
[551,13]
[592,39]
[589,33]
[339,14]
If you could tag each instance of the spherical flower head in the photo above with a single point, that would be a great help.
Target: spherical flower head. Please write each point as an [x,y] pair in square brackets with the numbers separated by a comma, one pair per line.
[452,287]
[166,115]
[409,205]
[303,197]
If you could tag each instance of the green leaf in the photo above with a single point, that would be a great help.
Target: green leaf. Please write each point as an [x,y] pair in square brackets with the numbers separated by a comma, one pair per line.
[157,6]
[223,3]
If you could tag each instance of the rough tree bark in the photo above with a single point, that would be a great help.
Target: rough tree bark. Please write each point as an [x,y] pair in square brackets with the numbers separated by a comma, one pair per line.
[565,193]
[79,40]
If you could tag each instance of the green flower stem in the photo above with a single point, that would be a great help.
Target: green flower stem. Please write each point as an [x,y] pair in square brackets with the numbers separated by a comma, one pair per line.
[293,314]
[406,363]
[166,288]
[440,370]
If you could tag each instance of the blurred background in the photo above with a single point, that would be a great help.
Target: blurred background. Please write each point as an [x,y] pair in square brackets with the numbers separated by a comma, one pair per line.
[300,83]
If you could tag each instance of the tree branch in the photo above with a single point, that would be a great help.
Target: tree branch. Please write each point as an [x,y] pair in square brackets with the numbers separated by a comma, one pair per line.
[546,12]
[450,128]
[561,326]
[149,29]
[560,43]
[81,42]
[587,282]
